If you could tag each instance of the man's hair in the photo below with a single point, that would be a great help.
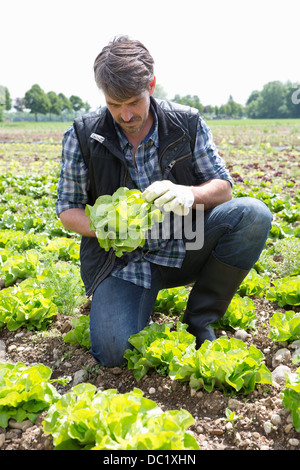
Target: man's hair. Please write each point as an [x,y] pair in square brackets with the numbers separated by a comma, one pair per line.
[124,68]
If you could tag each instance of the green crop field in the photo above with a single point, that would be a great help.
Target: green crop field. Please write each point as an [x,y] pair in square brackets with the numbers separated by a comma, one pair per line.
[44,312]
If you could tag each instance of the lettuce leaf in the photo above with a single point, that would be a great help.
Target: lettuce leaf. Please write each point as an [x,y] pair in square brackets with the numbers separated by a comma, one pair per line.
[25,391]
[291,397]
[223,363]
[85,418]
[285,326]
[122,220]
[156,347]
[285,291]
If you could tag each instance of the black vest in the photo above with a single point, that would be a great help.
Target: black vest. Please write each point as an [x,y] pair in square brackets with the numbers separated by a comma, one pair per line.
[108,171]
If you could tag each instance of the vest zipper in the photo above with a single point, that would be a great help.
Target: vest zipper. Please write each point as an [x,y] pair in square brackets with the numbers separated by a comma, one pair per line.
[172,143]
[173,162]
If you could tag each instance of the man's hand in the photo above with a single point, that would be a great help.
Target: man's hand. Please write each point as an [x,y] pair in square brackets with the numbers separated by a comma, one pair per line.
[170,196]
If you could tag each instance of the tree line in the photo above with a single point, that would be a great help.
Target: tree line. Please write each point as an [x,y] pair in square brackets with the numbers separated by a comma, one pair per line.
[275,100]
[37,101]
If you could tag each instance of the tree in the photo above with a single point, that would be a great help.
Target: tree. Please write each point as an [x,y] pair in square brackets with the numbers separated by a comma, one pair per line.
[189,100]
[37,101]
[55,103]
[5,101]
[8,100]
[19,104]
[271,102]
[273,99]
[66,103]
[293,99]
[2,101]
[253,96]
[77,103]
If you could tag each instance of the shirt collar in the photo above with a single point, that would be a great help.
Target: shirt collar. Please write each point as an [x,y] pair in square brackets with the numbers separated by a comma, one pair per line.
[152,134]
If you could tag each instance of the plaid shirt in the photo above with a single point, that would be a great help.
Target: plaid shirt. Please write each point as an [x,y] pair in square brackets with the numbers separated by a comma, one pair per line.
[72,192]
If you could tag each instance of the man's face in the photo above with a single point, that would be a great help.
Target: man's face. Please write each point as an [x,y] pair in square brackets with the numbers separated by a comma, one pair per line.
[131,115]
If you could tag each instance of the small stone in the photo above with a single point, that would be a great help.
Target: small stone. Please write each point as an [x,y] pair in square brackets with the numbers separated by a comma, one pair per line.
[13,434]
[275,419]
[116,370]
[217,432]
[228,426]
[78,377]
[234,404]
[282,356]
[18,335]
[23,425]
[279,374]
[268,427]
[288,428]
[294,442]
[2,439]
[2,351]
[55,354]
[296,353]
[152,390]
[241,334]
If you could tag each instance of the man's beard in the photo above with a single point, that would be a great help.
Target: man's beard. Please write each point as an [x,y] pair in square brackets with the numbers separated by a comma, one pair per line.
[125,125]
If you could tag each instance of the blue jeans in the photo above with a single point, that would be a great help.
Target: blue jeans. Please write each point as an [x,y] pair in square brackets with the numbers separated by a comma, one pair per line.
[235,232]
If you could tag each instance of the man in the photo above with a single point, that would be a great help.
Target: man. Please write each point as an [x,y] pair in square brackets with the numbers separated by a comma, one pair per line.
[166,151]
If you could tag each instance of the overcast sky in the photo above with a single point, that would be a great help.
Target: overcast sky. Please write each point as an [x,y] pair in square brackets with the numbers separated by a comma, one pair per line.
[212,48]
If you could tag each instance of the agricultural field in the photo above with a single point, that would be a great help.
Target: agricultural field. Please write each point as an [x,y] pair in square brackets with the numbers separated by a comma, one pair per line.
[241,391]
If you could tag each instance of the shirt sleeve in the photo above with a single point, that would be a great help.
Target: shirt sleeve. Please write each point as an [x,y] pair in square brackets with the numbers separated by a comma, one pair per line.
[207,162]
[73,179]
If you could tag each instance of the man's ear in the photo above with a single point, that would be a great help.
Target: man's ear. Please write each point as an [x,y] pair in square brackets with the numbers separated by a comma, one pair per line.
[152,86]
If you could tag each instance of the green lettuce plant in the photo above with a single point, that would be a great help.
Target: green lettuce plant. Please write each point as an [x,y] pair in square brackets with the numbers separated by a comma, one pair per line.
[87,419]
[171,301]
[291,397]
[285,326]
[65,248]
[228,364]
[25,391]
[285,291]
[27,306]
[80,334]
[239,314]
[156,346]
[254,284]
[122,220]
[17,266]
[223,363]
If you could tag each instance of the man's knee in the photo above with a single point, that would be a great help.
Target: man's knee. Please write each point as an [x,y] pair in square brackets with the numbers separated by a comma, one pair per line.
[256,214]
[108,354]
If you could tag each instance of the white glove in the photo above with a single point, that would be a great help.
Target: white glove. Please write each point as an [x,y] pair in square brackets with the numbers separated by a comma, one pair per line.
[170,196]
